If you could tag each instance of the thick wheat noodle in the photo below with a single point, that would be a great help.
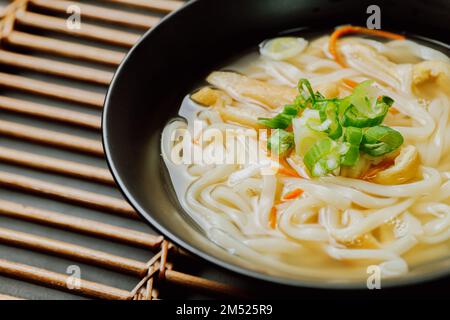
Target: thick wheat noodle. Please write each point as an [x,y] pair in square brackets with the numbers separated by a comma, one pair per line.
[334,218]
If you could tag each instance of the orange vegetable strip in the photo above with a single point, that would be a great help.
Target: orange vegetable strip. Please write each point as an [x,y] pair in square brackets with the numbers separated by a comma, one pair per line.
[286,169]
[288,172]
[293,194]
[340,32]
[350,82]
[393,110]
[273,218]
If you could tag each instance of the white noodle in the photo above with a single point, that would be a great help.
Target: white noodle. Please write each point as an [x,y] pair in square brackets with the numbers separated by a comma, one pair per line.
[336,218]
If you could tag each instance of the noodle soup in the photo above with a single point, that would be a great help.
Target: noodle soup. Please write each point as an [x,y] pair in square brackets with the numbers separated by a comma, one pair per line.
[321,157]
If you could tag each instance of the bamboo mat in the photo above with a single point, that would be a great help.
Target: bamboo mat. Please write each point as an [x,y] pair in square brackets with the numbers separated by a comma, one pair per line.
[59,209]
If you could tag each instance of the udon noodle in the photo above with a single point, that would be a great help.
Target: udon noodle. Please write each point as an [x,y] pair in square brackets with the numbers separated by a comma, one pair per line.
[287,215]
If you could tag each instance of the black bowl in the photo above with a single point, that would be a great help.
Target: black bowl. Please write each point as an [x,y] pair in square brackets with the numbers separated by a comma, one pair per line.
[172,58]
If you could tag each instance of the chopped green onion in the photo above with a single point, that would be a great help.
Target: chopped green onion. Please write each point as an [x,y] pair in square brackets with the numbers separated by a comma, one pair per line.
[308,93]
[305,137]
[280,142]
[354,117]
[282,48]
[333,132]
[291,109]
[317,125]
[351,157]
[360,97]
[362,110]
[307,97]
[281,120]
[386,100]
[353,136]
[380,140]
[322,158]
[343,105]
[329,112]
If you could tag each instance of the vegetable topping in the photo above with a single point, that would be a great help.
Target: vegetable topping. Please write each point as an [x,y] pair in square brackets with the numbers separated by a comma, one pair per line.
[331,133]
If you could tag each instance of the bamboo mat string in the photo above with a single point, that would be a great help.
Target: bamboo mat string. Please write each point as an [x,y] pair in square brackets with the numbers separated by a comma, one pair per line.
[156,265]
[159,266]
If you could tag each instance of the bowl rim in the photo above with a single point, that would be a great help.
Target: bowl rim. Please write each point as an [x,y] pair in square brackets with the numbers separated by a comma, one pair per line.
[242,271]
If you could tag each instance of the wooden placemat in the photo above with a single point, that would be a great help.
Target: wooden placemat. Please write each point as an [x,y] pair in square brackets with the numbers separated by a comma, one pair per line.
[63,224]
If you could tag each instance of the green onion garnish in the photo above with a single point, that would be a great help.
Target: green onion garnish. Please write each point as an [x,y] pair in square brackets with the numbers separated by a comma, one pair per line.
[280,142]
[351,157]
[281,120]
[329,112]
[333,132]
[322,158]
[362,111]
[306,91]
[353,136]
[381,140]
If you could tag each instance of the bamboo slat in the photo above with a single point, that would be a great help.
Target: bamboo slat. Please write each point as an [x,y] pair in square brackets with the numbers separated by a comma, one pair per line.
[67,194]
[204,285]
[56,68]
[157,5]
[64,48]
[53,165]
[85,226]
[72,252]
[45,112]
[47,137]
[51,90]
[60,281]
[88,31]
[100,13]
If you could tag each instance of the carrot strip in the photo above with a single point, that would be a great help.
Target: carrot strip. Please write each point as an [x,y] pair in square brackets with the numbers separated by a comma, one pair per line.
[340,32]
[393,111]
[350,82]
[288,172]
[286,169]
[293,194]
[273,218]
